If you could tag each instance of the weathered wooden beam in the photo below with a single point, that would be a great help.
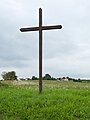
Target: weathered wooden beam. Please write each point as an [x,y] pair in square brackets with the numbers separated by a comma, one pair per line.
[43,28]
[40,50]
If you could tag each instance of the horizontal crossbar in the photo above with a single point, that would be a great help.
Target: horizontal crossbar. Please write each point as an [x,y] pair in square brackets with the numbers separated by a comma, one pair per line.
[43,28]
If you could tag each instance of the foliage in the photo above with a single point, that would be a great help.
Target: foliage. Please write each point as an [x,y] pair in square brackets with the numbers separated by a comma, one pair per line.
[22,79]
[48,77]
[34,78]
[71,101]
[71,79]
[9,75]
[28,79]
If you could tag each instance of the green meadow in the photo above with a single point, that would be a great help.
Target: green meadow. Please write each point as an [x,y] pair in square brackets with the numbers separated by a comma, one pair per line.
[20,100]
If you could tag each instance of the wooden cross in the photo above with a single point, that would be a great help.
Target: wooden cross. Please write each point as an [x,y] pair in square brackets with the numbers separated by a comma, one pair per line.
[40,29]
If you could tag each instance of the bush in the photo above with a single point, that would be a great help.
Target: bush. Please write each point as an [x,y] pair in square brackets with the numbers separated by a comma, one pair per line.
[34,78]
[47,77]
[9,75]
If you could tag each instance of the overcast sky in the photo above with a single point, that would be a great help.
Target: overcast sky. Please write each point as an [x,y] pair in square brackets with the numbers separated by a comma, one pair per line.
[66,52]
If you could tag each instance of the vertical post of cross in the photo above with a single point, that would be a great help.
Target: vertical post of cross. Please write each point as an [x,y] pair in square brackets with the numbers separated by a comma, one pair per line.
[40,50]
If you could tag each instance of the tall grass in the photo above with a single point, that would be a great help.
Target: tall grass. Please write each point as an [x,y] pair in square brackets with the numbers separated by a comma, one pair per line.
[58,101]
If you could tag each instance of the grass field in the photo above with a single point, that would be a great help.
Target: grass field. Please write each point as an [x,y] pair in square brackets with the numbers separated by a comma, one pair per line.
[58,101]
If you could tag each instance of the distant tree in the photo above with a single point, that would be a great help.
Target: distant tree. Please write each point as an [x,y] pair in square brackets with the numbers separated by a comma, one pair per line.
[9,75]
[71,79]
[59,78]
[79,80]
[63,78]
[67,78]
[47,77]
[34,78]
[53,78]
[28,79]
[23,79]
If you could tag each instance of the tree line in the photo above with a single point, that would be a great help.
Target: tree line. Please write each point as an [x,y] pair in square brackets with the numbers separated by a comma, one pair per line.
[12,76]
